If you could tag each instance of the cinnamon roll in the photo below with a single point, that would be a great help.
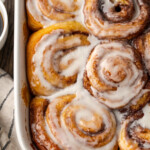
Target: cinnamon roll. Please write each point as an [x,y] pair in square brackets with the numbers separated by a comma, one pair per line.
[53,57]
[37,125]
[42,13]
[71,122]
[114,73]
[142,44]
[116,19]
[135,131]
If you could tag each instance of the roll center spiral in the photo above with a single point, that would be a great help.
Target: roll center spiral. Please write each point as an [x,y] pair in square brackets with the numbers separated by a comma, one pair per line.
[117,10]
[63,62]
[115,70]
[89,122]
[141,133]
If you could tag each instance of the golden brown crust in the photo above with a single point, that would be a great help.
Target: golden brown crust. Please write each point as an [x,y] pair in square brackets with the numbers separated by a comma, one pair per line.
[69,30]
[142,44]
[56,11]
[95,81]
[37,125]
[32,23]
[51,119]
[115,19]
[60,114]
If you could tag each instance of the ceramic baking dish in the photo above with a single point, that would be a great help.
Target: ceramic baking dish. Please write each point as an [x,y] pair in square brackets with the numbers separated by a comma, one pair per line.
[21,110]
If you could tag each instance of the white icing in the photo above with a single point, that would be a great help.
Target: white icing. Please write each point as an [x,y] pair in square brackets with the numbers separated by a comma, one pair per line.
[85,100]
[75,55]
[79,13]
[143,91]
[107,5]
[80,55]
[45,41]
[137,8]
[67,2]
[51,135]
[131,85]
[74,67]
[146,145]
[83,115]
[144,121]
[103,28]
[42,137]
[119,116]
[77,89]
[33,8]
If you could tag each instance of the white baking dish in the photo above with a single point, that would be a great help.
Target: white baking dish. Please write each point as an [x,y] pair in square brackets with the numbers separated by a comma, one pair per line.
[21,111]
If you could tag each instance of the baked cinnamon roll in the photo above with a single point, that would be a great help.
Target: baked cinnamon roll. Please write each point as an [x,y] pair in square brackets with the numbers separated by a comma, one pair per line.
[71,122]
[116,19]
[142,44]
[52,57]
[42,13]
[135,131]
[114,74]
[38,125]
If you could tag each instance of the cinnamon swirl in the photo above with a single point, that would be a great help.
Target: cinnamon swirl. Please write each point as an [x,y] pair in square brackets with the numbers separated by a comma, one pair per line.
[114,73]
[42,13]
[53,56]
[116,19]
[135,131]
[71,122]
